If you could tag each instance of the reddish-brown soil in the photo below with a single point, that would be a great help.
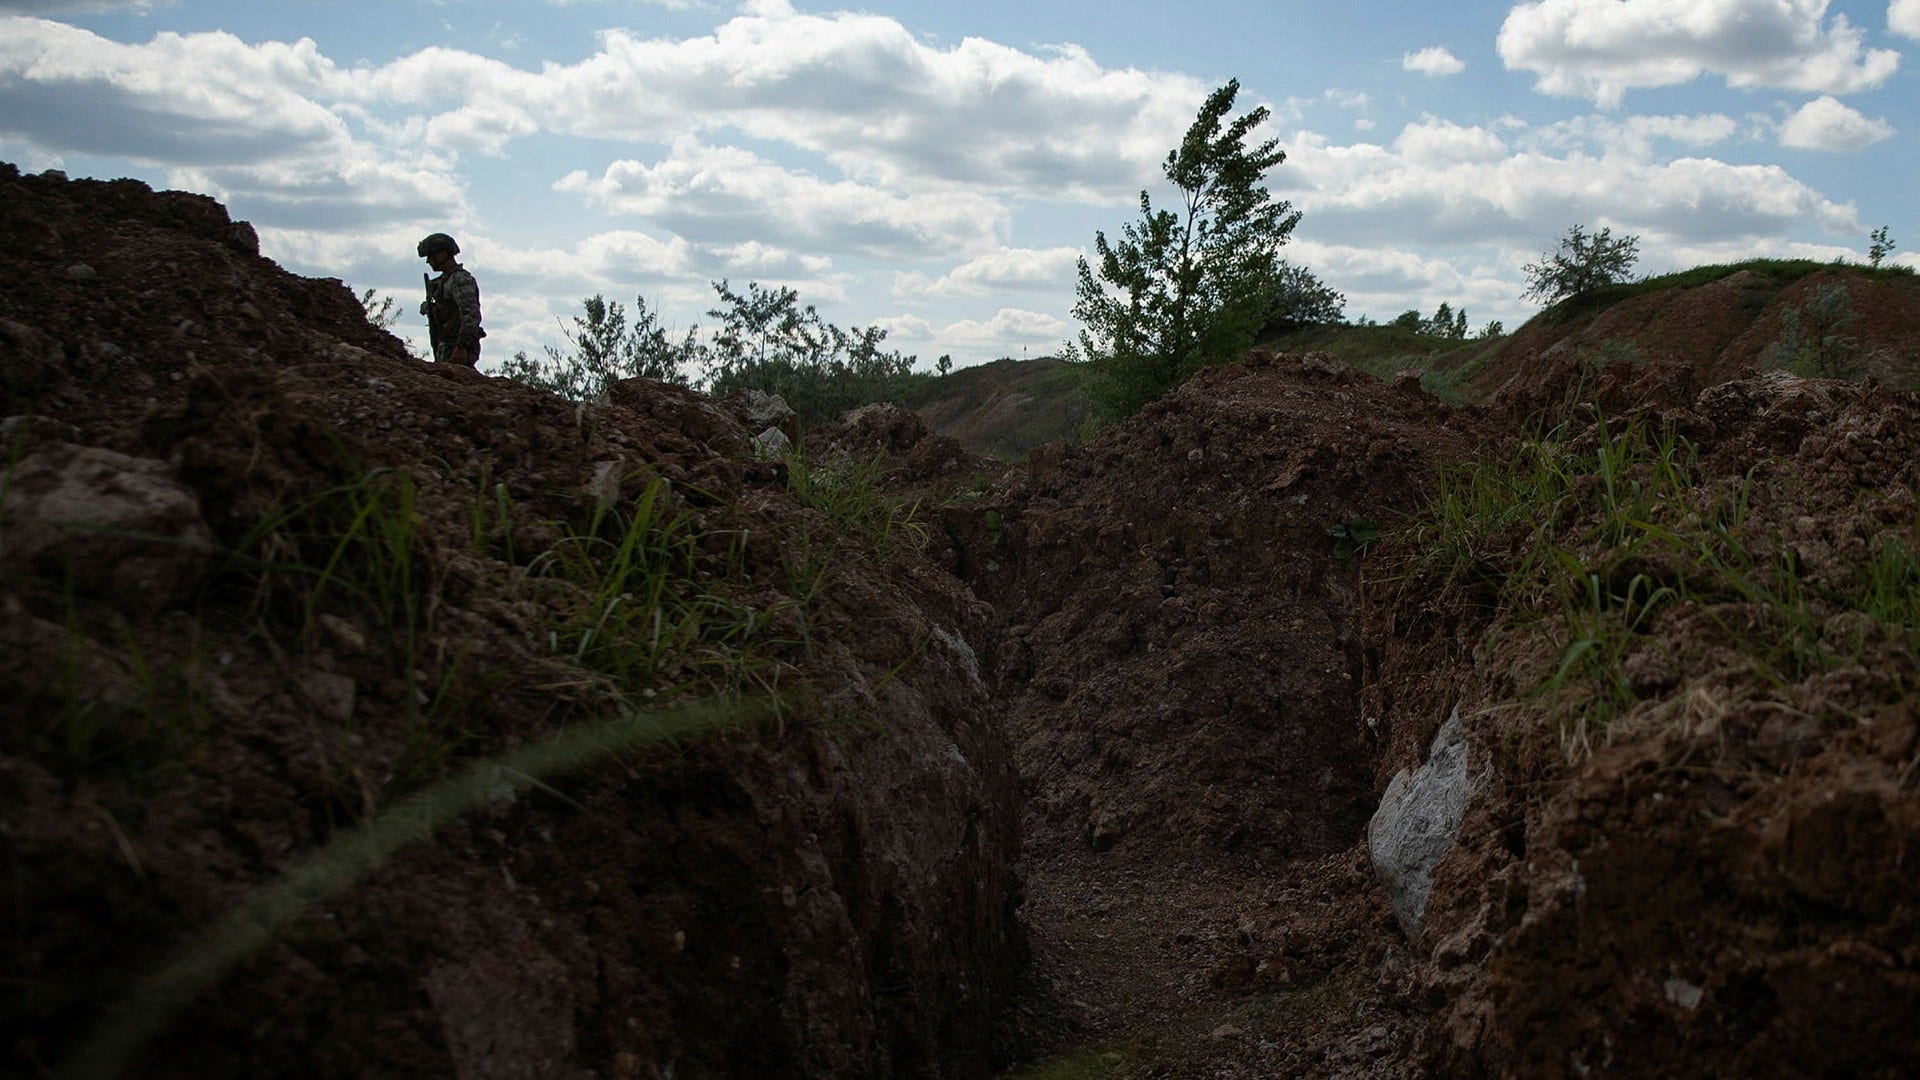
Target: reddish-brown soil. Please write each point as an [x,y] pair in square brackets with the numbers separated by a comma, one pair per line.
[185,715]
[1726,886]
[1078,786]
[1670,344]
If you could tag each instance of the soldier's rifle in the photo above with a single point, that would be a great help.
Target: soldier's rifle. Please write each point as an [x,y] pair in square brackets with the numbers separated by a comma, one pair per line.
[433,324]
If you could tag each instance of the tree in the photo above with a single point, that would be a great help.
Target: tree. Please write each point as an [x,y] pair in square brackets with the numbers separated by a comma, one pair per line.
[1301,299]
[1180,290]
[1584,262]
[764,326]
[604,350]
[1445,322]
[767,341]
[1883,246]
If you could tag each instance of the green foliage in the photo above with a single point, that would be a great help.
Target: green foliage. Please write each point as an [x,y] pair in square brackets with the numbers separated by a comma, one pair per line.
[1006,407]
[1352,537]
[603,349]
[996,525]
[1881,247]
[1181,290]
[1446,323]
[119,708]
[1099,1063]
[767,341]
[1814,340]
[642,612]
[1299,298]
[1385,351]
[1585,261]
[1603,531]
[848,491]
[1779,271]
[382,311]
[355,545]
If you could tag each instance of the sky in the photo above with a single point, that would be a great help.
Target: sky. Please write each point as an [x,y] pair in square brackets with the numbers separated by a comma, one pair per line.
[937,168]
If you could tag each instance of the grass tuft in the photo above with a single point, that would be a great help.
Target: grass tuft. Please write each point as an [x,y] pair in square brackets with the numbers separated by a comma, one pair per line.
[1601,532]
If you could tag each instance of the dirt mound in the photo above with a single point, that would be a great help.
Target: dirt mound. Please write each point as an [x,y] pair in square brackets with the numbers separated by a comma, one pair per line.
[1665,346]
[265,577]
[271,588]
[1691,853]
[1182,661]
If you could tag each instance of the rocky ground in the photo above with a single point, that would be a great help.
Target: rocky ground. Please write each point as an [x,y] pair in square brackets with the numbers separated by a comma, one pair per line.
[1080,763]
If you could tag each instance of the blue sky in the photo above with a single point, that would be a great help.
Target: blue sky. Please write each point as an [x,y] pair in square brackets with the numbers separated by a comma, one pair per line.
[936,168]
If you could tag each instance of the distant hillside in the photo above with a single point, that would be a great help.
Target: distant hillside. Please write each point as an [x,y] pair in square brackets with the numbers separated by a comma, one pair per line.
[1667,338]
[1663,338]
[1004,408]
[1659,339]
[1385,350]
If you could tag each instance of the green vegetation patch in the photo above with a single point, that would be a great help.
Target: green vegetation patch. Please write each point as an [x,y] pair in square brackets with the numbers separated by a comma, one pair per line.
[1598,538]
[1779,271]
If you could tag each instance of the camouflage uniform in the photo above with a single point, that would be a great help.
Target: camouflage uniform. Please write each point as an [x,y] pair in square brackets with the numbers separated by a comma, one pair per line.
[456,314]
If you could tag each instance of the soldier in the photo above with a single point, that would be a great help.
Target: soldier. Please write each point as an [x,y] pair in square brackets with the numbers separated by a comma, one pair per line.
[452,307]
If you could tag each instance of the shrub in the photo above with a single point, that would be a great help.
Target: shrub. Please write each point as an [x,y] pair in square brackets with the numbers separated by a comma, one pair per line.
[1585,261]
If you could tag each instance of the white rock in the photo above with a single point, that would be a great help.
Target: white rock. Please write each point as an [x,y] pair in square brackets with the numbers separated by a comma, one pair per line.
[1417,823]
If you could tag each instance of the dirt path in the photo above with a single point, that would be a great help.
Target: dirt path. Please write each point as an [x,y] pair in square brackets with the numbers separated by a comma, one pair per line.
[1202,965]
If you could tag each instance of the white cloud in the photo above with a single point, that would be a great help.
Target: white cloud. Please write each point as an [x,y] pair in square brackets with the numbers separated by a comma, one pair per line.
[1825,124]
[1633,136]
[28,157]
[360,192]
[68,89]
[1295,107]
[1047,269]
[837,153]
[1903,18]
[220,116]
[1599,49]
[1010,331]
[859,89]
[482,128]
[1433,60]
[765,261]
[1440,185]
[1433,142]
[730,195]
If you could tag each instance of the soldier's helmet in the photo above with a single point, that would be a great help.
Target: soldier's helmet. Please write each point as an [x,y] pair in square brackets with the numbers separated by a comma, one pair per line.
[438,242]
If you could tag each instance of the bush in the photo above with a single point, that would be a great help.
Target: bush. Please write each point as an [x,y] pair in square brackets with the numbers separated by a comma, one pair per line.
[1585,261]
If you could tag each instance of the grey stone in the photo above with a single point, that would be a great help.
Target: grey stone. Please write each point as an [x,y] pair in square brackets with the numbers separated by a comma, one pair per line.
[1418,821]
[104,522]
[763,410]
[772,443]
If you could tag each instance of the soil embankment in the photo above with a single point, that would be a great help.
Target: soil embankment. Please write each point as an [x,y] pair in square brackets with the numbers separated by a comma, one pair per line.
[265,575]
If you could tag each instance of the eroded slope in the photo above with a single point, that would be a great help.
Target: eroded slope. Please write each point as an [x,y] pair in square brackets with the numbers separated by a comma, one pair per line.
[265,574]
